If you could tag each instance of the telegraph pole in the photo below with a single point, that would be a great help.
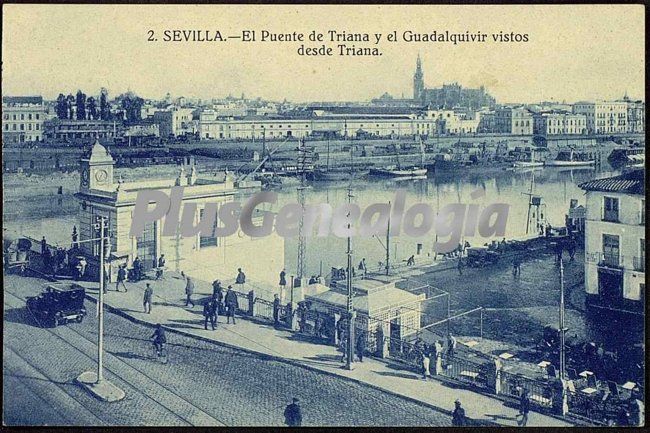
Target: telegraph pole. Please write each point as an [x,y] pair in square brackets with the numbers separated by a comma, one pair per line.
[100,304]
[351,314]
[562,329]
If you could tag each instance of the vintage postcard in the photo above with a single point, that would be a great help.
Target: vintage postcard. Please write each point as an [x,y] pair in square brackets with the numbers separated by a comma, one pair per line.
[323,215]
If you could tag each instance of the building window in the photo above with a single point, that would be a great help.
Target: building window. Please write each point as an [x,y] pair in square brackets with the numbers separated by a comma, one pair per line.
[610,250]
[610,209]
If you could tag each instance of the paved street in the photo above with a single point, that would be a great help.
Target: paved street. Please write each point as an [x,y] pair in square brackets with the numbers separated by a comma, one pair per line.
[203,384]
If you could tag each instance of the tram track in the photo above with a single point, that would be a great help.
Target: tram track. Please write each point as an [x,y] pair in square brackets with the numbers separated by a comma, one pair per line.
[201,418]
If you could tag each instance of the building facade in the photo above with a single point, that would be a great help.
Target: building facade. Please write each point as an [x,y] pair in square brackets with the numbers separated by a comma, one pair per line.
[323,123]
[22,119]
[635,116]
[559,123]
[604,117]
[176,122]
[615,242]
[81,130]
[201,256]
[513,120]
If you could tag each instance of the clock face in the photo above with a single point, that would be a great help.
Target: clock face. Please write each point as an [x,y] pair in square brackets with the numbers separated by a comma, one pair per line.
[84,177]
[101,175]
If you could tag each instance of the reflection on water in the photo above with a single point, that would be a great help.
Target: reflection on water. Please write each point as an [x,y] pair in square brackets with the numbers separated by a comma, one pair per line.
[54,216]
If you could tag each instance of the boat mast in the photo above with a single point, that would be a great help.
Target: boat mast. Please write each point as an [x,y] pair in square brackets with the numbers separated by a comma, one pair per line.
[421,153]
[328,154]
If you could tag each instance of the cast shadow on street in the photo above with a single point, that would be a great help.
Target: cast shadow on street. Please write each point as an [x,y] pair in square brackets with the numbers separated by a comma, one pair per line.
[395,374]
[56,382]
[21,316]
[131,355]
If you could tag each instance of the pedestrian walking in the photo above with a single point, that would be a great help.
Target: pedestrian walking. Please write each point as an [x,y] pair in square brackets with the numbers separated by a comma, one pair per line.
[571,248]
[451,345]
[189,291]
[82,267]
[161,267]
[217,296]
[43,245]
[426,360]
[361,345]
[276,310]
[362,267]
[460,266]
[293,414]
[137,269]
[516,267]
[410,261]
[231,304]
[210,314]
[241,277]
[283,282]
[524,408]
[121,277]
[458,416]
[146,302]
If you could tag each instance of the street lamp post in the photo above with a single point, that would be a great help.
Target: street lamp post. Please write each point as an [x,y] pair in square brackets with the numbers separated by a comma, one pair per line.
[94,381]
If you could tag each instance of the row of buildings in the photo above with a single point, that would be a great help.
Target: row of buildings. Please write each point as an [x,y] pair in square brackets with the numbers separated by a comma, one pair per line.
[28,119]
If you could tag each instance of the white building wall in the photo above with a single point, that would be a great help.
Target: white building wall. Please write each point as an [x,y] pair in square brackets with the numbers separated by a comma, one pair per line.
[630,231]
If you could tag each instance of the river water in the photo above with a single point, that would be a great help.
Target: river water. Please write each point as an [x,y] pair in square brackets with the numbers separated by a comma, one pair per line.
[53,216]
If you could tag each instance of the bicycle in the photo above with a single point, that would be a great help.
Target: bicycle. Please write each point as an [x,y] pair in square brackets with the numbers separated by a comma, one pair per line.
[159,354]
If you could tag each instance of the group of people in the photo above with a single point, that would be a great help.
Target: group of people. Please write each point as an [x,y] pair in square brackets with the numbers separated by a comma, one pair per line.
[220,303]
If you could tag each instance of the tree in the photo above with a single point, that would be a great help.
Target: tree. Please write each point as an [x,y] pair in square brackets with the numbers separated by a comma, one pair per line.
[91,107]
[104,110]
[81,105]
[70,100]
[132,106]
[61,107]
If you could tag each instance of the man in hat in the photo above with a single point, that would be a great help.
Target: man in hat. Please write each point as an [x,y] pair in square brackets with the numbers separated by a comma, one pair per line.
[231,304]
[293,414]
[458,416]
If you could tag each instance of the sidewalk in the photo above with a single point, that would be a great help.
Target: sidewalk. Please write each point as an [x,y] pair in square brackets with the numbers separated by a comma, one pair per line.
[257,336]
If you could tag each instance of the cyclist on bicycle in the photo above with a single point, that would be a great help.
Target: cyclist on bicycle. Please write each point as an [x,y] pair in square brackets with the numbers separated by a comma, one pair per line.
[159,339]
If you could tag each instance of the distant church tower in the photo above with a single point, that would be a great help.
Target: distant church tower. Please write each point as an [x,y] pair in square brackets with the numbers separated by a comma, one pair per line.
[418,81]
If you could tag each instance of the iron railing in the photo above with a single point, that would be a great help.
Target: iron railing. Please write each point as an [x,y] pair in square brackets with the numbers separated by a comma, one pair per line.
[539,392]
[242,302]
[464,370]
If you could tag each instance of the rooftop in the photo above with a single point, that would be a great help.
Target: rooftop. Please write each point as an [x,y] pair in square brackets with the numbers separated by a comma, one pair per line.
[371,296]
[632,182]
[22,100]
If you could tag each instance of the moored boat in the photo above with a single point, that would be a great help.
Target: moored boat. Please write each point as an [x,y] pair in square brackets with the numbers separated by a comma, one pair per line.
[394,171]
[339,174]
[569,158]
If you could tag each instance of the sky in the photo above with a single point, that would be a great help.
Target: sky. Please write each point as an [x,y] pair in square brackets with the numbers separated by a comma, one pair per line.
[574,52]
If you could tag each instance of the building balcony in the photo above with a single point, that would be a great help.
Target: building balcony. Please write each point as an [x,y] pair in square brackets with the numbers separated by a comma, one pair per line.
[605,260]
[638,264]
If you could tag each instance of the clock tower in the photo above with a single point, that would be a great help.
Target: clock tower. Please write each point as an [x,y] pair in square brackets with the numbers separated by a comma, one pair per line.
[97,169]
